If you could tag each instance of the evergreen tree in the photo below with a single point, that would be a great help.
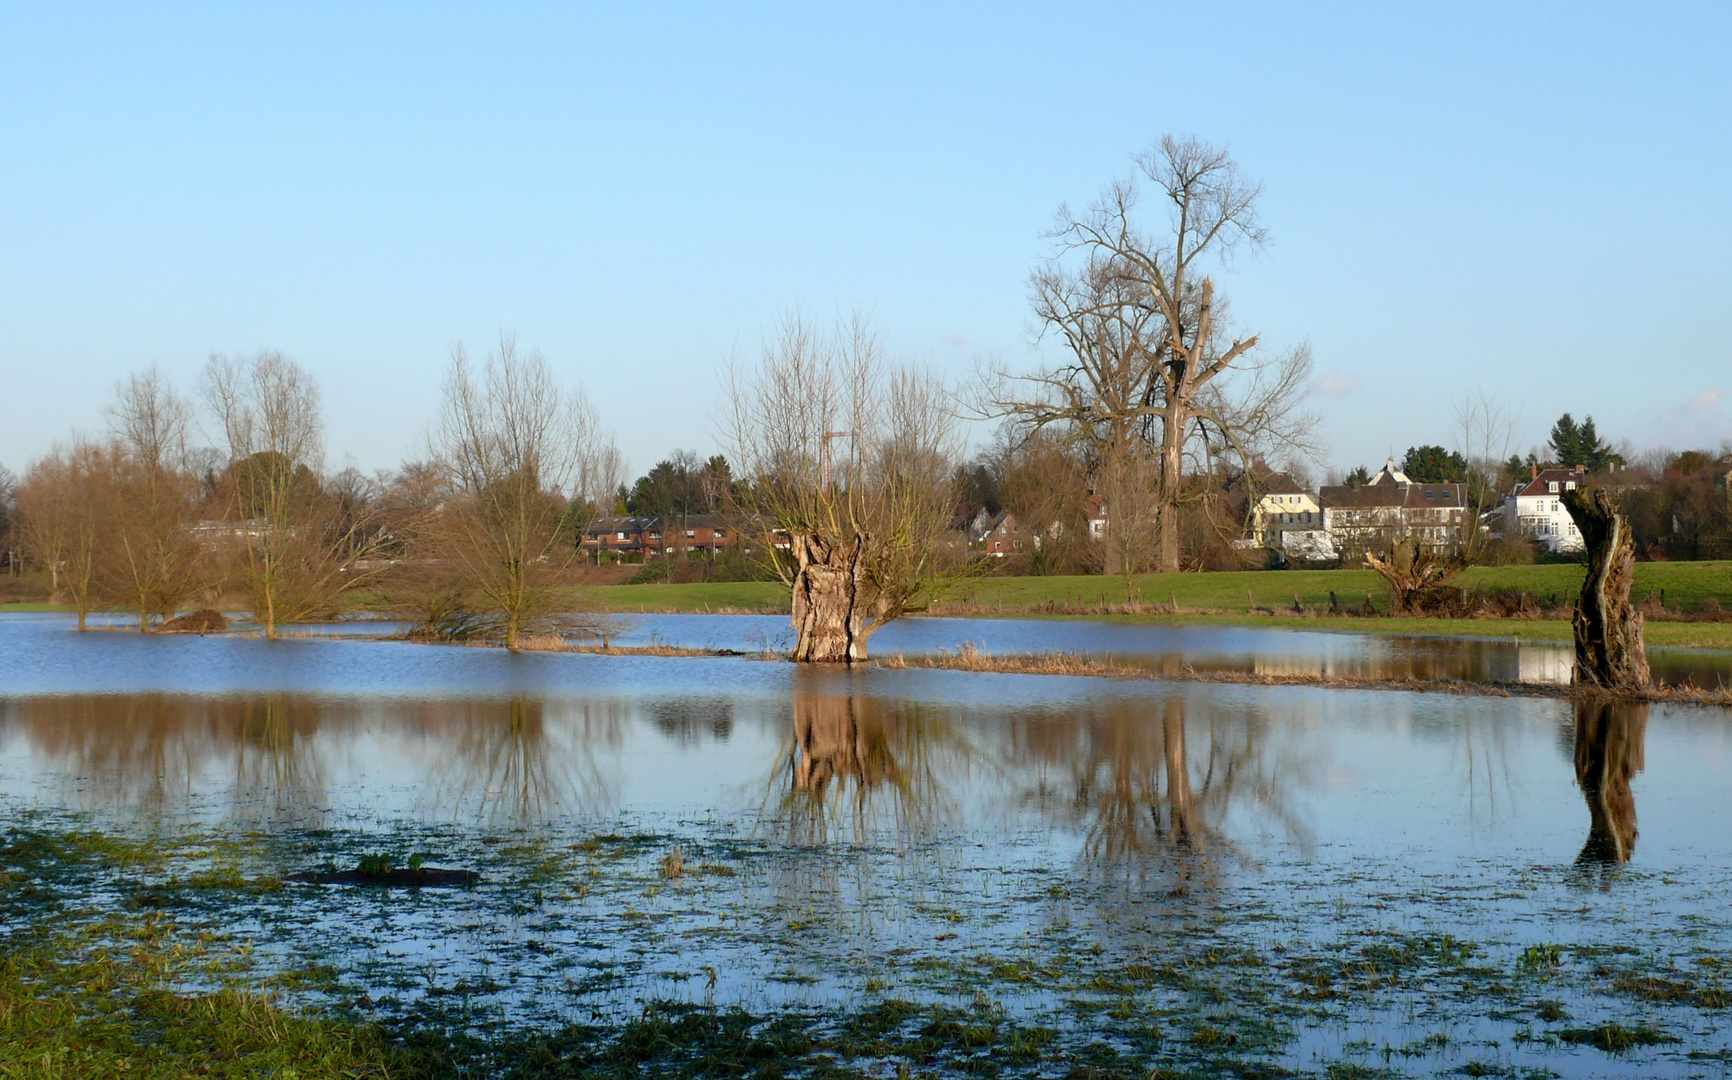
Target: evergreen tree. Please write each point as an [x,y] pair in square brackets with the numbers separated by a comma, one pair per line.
[1359,477]
[1580,444]
[1434,465]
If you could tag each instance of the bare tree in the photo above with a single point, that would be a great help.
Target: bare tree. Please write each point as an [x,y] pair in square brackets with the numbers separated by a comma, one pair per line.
[847,461]
[515,449]
[64,503]
[293,545]
[150,557]
[1485,430]
[1145,383]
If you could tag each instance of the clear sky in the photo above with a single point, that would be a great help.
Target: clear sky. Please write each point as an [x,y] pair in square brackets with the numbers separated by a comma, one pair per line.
[1527,200]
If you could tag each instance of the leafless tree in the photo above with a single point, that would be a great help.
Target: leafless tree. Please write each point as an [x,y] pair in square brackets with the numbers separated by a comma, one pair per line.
[848,460]
[293,545]
[1155,383]
[515,449]
[64,505]
[150,557]
[1485,431]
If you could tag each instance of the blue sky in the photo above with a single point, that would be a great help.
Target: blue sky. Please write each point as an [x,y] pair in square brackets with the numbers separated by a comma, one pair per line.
[1530,201]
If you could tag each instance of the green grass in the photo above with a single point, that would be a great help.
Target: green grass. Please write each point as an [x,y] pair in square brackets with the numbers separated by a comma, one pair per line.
[1228,598]
[1686,585]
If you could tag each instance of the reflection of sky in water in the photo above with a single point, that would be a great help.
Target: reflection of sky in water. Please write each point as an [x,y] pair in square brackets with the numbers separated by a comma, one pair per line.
[35,667]
[897,805]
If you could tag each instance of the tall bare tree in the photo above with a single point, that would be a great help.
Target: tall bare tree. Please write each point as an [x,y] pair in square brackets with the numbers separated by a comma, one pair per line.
[293,545]
[516,448]
[849,461]
[1146,382]
[64,503]
[150,557]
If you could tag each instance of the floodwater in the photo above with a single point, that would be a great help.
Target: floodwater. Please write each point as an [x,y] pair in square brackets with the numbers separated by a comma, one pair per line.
[1085,854]
[1166,647]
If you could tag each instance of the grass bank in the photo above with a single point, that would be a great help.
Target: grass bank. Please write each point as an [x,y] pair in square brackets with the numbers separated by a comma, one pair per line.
[1260,598]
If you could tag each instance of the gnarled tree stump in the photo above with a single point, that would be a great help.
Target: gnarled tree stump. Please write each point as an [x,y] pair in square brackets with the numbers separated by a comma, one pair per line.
[1610,651]
[1410,570]
[828,618]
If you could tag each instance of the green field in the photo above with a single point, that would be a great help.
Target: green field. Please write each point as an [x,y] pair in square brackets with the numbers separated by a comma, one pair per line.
[1685,585]
[1226,597]
[1230,598]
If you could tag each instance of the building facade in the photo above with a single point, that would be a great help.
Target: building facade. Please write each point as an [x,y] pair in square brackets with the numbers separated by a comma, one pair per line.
[1372,517]
[1535,510]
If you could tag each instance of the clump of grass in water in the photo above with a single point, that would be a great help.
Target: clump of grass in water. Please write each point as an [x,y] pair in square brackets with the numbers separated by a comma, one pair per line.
[673,864]
[1615,1038]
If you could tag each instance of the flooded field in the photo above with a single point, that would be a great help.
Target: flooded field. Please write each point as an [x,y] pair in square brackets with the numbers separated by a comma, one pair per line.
[895,872]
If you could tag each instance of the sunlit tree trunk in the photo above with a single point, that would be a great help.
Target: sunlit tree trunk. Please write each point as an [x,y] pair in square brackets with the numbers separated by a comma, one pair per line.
[1610,650]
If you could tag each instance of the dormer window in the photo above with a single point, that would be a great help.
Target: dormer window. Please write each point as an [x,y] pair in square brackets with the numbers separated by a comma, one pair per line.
[1569,485]
[1552,487]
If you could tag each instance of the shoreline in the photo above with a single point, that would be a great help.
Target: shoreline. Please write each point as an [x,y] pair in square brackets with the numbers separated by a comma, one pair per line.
[1661,633]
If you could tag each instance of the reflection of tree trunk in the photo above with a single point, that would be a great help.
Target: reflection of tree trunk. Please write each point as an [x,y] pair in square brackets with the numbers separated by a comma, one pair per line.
[1608,754]
[827,615]
[1181,805]
[830,742]
[1610,651]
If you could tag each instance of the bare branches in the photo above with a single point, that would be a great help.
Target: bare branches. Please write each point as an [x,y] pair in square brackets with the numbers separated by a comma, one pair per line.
[515,448]
[1148,339]
[870,544]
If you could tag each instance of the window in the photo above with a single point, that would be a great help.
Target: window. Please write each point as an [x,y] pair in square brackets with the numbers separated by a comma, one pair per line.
[1430,494]
[621,536]
[721,534]
[1552,487]
[1569,485]
[1307,516]
[691,534]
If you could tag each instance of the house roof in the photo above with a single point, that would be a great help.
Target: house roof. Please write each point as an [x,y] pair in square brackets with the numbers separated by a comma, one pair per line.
[1544,478]
[1389,474]
[1339,496]
[1393,494]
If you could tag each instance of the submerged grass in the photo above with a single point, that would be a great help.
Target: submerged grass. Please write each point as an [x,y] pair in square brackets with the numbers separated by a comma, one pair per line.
[700,953]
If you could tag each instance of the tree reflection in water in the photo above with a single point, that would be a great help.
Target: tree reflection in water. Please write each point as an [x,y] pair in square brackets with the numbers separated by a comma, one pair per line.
[506,763]
[859,767]
[1151,794]
[1609,740]
[271,755]
[150,751]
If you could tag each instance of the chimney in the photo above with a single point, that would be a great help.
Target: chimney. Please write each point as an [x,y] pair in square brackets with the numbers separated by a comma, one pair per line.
[1536,468]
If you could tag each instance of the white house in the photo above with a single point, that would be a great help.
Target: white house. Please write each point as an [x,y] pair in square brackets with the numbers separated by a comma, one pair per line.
[1535,509]
[1283,507]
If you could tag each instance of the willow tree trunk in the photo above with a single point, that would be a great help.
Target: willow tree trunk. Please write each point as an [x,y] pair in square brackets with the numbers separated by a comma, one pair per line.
[1610,651]
[828,616]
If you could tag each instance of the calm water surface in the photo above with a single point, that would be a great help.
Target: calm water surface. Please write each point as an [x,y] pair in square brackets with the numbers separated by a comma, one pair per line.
[924,832]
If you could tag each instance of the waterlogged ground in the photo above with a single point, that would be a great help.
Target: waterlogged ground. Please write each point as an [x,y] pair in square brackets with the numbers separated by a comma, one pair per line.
[885,871]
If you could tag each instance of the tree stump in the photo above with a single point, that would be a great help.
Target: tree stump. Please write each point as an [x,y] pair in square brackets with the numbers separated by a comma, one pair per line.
[1610,651]
[827,617]
[1410,570]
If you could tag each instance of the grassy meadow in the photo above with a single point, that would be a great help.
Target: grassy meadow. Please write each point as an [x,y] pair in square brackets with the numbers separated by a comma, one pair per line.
[1262,598]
